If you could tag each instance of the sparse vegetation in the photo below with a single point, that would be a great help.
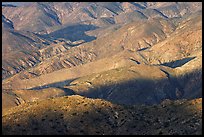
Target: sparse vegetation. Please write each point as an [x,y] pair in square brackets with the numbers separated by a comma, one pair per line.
[125,123]
[95,68]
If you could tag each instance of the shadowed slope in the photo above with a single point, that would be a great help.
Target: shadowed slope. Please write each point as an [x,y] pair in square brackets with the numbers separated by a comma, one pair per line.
[140,84]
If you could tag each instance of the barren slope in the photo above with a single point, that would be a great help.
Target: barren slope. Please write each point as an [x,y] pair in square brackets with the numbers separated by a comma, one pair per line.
[133,36]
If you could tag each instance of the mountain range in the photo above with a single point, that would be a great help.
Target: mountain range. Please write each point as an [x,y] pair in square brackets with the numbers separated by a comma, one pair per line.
[130,56]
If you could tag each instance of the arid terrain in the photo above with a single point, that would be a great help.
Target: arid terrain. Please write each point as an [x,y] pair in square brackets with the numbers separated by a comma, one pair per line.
[82,116]
[107,68]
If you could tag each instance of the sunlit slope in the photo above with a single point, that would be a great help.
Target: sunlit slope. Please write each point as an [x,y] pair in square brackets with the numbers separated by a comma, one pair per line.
[78,115]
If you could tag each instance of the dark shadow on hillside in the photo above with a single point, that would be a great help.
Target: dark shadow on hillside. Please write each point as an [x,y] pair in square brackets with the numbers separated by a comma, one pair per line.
[60,84]
[21,35]
[67,91]
[149,92]
[73,32]
[178,63]
[138,5]
[143,49]
[161,13]
[8,5]
[143,91]
[134,92]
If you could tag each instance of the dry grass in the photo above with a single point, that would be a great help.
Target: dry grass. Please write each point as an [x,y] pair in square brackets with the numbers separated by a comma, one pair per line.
[79,115]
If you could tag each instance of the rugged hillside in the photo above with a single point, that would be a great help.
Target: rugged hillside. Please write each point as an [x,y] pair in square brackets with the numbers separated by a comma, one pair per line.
[133,72]
[184,42]
[133,36]
[40,16]
[91,67]
[19,51]
[22,50]
[76,115]
[47,14]
[146,47]
[52,20]
[118,60]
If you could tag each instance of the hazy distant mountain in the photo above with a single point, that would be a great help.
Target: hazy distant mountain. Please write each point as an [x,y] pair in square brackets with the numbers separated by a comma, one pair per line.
[16,3]
[43,16]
